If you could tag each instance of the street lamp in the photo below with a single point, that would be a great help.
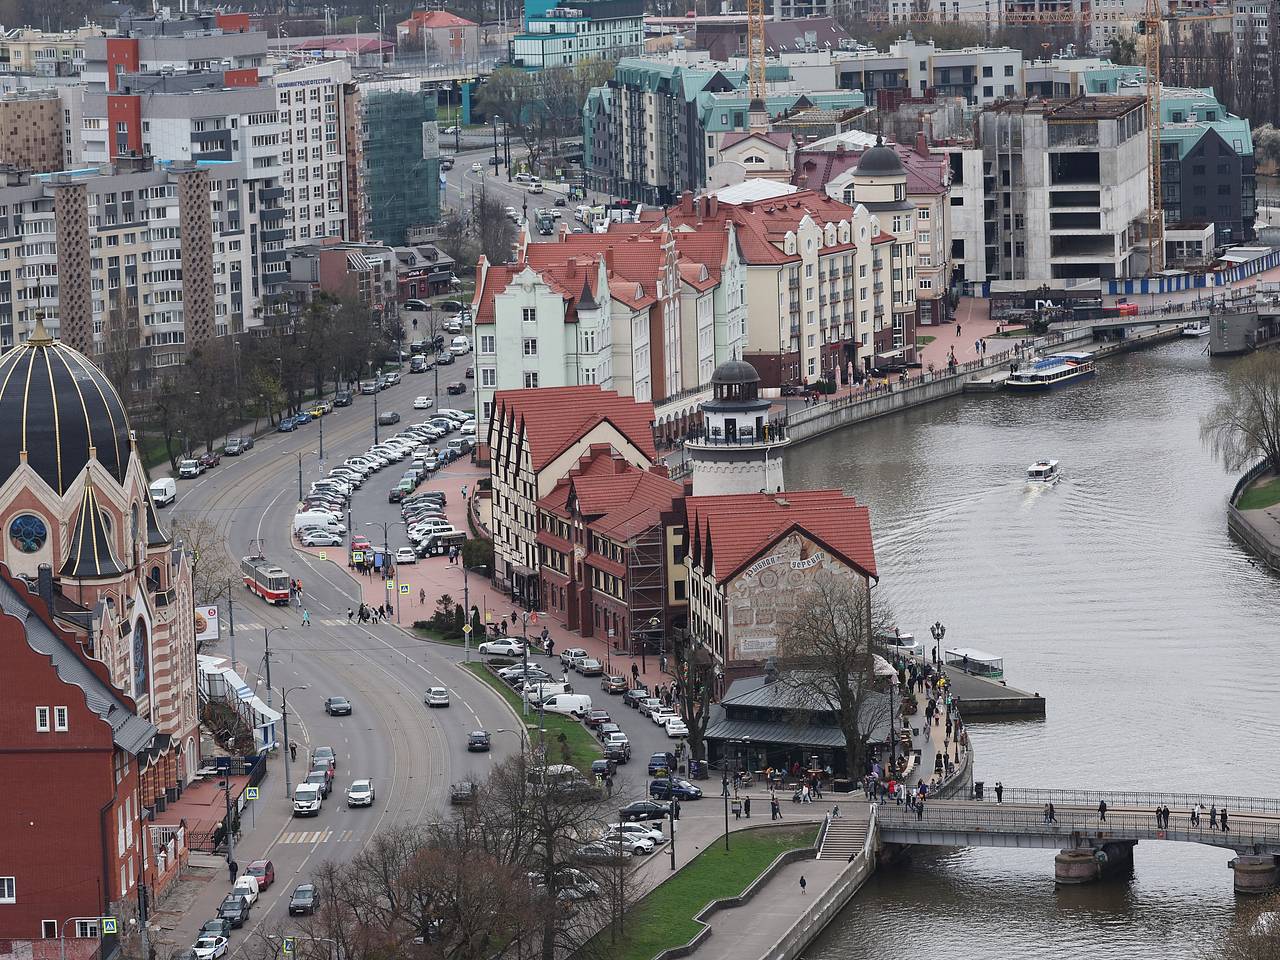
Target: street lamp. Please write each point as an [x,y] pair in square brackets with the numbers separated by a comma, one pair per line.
[386,555]
[938,631]
[266,656]
[654,624]
[284,709]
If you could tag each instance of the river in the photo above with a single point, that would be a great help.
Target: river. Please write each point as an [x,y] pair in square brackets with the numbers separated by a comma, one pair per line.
[1120,597]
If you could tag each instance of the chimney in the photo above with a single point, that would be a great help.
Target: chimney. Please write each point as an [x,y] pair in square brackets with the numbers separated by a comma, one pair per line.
[922,145]
[840,149]
[44,581]
[713,206]
[686,203]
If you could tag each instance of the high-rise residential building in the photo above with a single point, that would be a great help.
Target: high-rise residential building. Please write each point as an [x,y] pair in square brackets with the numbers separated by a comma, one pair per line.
[138,258]
[313,149]
[399,185]
[45,53]
[31,130]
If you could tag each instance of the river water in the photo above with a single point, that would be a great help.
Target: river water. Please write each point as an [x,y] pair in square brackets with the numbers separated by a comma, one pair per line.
[1120,597]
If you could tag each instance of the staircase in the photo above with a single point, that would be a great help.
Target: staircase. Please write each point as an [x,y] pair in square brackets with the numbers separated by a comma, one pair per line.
[844,839]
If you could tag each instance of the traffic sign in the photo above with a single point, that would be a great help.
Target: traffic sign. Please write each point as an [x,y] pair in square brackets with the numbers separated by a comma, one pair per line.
[357,556]
[404,588]
[110,925]
[488,616]
[323,555]
[466,628]
[290,945]
[251,793]
[391,585]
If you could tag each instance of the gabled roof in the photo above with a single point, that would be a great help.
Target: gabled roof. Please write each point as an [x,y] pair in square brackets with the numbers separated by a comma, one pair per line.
[91,554]
[617,498]
[129,731]
[155,536]
[496,279]
[730,532]
[432,19]
[550,419]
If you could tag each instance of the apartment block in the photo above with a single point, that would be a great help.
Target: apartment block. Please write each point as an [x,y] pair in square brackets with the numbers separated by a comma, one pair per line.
[313,150]
[44,53]
[443,37]
[139,256]
[399,161]
[564,35]
[31,130]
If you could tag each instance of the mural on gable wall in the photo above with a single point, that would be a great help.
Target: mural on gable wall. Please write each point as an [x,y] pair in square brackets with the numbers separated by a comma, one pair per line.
[763,598]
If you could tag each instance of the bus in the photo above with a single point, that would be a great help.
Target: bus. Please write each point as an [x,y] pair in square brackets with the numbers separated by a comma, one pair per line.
[265,579]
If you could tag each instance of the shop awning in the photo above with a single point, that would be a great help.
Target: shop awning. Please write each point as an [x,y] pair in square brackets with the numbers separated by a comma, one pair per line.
[790,734]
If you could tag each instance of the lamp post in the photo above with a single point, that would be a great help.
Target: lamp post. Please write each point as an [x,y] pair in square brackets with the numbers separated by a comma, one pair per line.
[266,656]
[386,553]
[654,624]
[938,631]
[62,932]
[284,710]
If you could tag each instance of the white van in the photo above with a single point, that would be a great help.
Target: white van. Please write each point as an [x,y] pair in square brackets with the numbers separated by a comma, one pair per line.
[545,691]
[164,491]
[306,800]
[582,213]
[318,518]
[246,887]
[460,346]
[574,704]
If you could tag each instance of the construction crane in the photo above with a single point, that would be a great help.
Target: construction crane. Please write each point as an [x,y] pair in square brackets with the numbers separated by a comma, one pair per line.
[1151,20]
[755,50]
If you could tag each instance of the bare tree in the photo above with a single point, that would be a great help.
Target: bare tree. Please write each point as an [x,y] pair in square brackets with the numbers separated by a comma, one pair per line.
[213,570]
[694,667]
[826,658]
[1254,936]
[1244,425]
[495,230]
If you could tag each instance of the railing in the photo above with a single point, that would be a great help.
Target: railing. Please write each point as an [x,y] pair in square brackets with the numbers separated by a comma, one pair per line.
[774,431]
[1143,799]
[1250,475]
[1000,820]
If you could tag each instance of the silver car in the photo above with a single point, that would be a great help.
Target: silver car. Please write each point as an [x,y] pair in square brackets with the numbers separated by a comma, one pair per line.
[436,697]
[360,794]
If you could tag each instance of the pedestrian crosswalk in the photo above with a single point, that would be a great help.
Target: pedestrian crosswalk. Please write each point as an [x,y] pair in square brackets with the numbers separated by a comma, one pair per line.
[315,621]
[317,836]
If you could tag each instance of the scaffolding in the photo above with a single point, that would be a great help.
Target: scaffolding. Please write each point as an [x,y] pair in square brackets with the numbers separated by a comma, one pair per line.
[402,188]
[647,588]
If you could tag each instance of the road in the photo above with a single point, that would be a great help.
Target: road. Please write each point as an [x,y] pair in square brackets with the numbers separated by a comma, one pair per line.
[411,753]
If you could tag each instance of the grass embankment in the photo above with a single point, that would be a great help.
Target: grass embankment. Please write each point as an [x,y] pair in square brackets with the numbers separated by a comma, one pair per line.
[435,636]
[1018,332]
[564,734]
[664,918]
[924,341]
[1260,495]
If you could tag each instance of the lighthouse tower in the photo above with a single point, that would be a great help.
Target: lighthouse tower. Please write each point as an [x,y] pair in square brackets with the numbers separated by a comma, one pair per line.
[739,449]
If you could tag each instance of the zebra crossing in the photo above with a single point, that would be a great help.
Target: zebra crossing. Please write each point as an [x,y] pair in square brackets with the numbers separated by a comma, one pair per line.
[327,621]
[317,836]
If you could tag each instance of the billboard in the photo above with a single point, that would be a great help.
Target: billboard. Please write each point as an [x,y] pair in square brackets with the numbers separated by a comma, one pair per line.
[430,140]
[206,624]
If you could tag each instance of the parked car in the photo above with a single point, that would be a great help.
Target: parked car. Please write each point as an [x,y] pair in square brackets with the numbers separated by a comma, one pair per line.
[617,748]
[676,788]
[644,811]
[287,426]
[209,947]
[659,763]
[235,910]
[320,538]
[337,707]
[237,445]
[613,683]
[264,871]
[189,469]
[508,648]
[406,555]
[633,696]
[676,727]
[217,926]
[478,741]
[589,667]
[596,717]
[304,900]
[569,656]
[210,459]
[342,398]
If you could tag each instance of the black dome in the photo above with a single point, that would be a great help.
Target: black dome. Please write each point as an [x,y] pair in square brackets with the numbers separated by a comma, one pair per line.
[734,371]
[55,405]
[880,161]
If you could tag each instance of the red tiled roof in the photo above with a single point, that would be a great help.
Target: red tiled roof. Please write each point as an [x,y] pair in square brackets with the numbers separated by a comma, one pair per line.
[738,528]
[496,279]
[925,174]
[779,138]
[553,418]
[431,19]
[618,499]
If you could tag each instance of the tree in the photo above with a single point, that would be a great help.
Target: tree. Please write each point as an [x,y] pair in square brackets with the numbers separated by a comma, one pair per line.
[694,667]
[1254,936]
[1266,146]
[477,554]
[212,570]
[1123,49]
[1244,425]
[496,231]
[826,659]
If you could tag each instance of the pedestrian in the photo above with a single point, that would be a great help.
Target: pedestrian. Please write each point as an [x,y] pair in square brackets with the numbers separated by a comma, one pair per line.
[293,750]
[803,884]
[1046,813]
[1102,810]
[635,675]
[999,792]
[306,618]
[1195,820]
[551,644]
[422,597]
[233,870]
[1053,817]
[464,493]
[920,808]
[957,329]
[1213,817]
[1166,816]
[1224,819]
[662,663]
[775,811]
[504,626]
[746,807]
[350,614]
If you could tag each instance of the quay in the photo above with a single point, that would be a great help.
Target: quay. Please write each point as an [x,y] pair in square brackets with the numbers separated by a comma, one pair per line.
[980,697]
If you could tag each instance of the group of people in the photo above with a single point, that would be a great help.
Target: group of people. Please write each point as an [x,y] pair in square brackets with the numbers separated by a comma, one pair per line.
[295,591]
[367,614]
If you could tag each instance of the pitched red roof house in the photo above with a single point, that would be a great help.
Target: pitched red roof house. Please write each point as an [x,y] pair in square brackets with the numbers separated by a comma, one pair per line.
[432,19]
[619,499]
[727,533]
[552,419]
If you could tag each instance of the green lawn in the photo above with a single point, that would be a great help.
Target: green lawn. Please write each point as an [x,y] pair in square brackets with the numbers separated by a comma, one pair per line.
[581,744]
[436,636]
[1265,494]
[1012,332]
[664,918]
[924,341]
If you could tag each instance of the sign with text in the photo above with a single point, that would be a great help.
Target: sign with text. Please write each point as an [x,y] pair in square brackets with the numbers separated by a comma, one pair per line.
[430,140]
[206,624]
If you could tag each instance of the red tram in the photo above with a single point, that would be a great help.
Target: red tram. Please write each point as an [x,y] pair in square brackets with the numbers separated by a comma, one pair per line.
[265,579]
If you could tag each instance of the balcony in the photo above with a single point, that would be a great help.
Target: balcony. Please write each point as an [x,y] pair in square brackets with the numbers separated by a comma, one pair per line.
[271,193]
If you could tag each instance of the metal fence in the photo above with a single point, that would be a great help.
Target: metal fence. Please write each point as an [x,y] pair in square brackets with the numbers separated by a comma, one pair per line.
[1117,826]
[1144,800]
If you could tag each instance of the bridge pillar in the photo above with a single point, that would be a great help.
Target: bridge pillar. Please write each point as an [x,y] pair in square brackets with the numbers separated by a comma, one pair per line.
[1255,875]
[1086,864]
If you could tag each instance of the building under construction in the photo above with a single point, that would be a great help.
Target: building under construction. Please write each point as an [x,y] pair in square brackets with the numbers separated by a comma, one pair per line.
[401,170]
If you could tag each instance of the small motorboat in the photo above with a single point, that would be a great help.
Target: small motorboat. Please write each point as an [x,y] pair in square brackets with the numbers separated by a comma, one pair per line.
[1198,329]
[1044,473]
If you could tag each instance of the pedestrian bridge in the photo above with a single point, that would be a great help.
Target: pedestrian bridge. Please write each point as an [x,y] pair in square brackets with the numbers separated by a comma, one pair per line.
[1091,847]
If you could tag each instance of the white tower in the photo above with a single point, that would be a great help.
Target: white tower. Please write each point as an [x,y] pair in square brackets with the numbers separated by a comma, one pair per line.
[739,449]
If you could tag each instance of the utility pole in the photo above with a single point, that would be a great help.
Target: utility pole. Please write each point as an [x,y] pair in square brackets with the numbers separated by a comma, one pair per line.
[231,615]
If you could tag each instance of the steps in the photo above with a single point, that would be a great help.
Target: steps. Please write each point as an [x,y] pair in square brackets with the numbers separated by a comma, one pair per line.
[844,839]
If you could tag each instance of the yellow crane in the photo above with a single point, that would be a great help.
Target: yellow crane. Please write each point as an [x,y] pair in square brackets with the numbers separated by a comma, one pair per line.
[755,50]
[1155,206]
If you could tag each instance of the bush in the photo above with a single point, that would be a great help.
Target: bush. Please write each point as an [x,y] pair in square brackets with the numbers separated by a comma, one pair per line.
[477,554]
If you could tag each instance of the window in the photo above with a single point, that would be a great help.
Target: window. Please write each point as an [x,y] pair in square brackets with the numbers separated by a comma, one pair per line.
[1008,70]
[49,929]
[530,381]
[60,719]
[530,346]
[89,928]
[922,213]
[986,71]
[487,343]
[8,892]
[28,532]
[529,315]
[488,377]
[42,719]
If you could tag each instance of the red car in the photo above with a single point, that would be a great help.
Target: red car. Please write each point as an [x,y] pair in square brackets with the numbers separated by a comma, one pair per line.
[211,460]
[597,717]
[264,870]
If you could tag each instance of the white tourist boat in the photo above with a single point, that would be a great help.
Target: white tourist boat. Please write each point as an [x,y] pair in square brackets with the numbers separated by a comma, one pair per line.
[1198,329]
[1044,473]
[1048,373]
